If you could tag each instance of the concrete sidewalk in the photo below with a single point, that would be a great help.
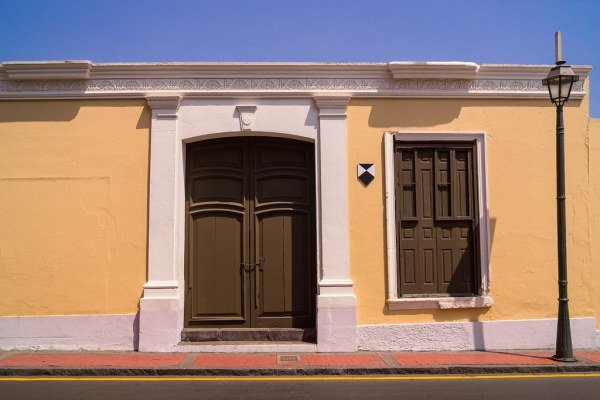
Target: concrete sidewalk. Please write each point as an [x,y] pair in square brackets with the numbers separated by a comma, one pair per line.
[28,363]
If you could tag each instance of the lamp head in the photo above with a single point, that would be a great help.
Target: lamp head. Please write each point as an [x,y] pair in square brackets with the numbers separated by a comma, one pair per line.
[560,81]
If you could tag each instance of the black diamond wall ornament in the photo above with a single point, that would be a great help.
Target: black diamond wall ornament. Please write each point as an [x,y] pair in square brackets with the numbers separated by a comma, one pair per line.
[366,173]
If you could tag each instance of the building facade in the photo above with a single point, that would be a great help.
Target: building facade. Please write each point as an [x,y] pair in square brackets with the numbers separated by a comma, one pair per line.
[299,206]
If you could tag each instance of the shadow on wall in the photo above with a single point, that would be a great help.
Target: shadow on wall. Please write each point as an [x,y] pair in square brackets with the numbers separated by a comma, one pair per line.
[39,111]
[429,113]
[136,331]
[413,112]
[62,110]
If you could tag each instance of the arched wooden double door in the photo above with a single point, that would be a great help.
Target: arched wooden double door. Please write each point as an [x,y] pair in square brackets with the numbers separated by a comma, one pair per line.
[250,223]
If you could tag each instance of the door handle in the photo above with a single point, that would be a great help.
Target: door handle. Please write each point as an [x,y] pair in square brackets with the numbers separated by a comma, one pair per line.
[256,280]
[250,267]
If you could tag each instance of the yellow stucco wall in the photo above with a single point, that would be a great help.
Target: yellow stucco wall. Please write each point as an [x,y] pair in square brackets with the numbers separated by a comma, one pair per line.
[521,183]
[73,206]
[594,145]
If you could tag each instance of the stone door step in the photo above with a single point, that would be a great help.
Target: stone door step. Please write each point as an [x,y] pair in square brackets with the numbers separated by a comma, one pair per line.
[248,335]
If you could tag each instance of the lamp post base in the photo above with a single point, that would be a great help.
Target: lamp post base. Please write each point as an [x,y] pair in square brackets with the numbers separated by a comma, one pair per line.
[563,359]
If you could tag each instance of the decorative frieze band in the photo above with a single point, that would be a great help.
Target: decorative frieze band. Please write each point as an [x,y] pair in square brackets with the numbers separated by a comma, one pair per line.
[232,84]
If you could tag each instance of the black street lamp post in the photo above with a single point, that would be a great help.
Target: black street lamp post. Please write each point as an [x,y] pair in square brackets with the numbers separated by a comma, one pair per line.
[560,81]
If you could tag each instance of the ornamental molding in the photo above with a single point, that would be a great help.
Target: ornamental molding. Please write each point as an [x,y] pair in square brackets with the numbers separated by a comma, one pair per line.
[163,102]
[268,79]
[246,116]
[331,105]
[164,107]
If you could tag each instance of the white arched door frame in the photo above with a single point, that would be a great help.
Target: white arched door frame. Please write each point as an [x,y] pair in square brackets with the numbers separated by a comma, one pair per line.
[176,122]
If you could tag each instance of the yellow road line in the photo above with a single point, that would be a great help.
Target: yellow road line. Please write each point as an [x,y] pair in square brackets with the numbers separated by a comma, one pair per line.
[291,378]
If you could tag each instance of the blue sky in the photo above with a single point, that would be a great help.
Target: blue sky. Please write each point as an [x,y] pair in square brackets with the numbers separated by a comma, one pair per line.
[483,31]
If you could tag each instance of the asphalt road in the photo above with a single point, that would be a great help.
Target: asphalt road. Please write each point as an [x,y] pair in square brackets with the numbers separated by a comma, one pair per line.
[523,387]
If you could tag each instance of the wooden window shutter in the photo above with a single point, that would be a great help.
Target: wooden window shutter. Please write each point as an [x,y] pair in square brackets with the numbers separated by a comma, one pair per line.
[436,209]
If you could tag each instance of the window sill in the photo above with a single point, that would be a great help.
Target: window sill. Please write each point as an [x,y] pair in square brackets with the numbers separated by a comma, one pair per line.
[443,303]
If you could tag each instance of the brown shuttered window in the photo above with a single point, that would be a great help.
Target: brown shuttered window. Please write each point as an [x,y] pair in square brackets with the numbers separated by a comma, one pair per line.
[436,207]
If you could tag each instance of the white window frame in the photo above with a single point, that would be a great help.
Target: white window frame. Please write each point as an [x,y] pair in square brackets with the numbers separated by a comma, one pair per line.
[483,299]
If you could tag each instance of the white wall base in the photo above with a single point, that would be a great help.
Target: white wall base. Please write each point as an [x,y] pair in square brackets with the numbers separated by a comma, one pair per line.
[160,324]
[336,323]
[488,335]
[69,332]
[119,332]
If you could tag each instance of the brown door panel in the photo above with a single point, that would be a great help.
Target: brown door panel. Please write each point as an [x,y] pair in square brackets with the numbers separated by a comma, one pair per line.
[217,234]
[251,258]
[223,154]
[286,155]
[285,277]
[216,279]
[214,189]
[284,286]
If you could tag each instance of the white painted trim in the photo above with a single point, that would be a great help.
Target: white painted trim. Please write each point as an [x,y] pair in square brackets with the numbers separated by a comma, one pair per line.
[69,332]
[31,80]
[336,283]
[161,285]
[161,319]
[422,303]
[332,154]
[336,303]
[485,335]
[390,217]
[161,272]
[483,299]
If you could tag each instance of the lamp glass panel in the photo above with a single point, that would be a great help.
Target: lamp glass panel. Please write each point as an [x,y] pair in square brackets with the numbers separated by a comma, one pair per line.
[553,87]
[565,83]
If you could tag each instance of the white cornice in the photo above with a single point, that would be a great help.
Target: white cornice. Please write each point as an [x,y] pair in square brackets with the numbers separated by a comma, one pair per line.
[437,70]
[195,70]
[25,70]
[82,79]
[242,70]
[508,71]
